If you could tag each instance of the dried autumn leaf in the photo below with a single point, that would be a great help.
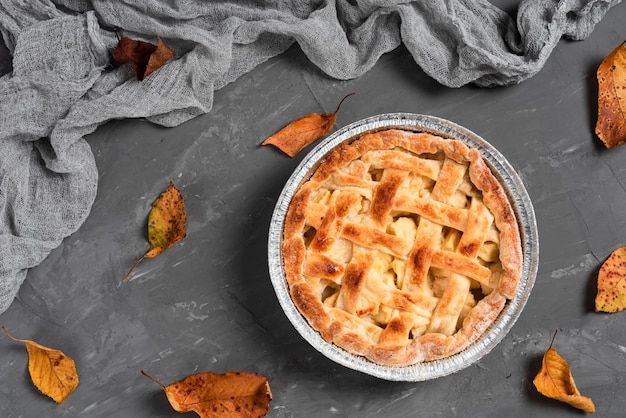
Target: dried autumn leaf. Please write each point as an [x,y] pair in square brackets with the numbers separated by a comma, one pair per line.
[555,381]
[143,56]
[611,123]
[611,295]
[232,394]
[51,371]
[166,223]
[302,132]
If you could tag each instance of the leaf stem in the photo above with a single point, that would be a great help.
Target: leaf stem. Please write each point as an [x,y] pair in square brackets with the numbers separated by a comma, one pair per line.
[10,336]
[153,379]
[553,337]
[344,98]
[133,268]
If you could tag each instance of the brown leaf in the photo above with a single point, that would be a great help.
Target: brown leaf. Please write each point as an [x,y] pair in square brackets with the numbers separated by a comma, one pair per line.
[51,371]
[166,223]
[143,56]
[302,132]
[611,123]
[555,381]
[611,295]
[232,394]
[160,56]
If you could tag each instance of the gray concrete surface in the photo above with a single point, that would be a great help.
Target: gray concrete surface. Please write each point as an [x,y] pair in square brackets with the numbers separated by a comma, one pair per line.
[207,303]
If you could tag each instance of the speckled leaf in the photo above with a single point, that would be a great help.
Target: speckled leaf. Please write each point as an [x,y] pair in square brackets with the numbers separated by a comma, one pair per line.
[228,395]
[302,132]
[555,381]
[166,223]
[51,371]
[611,295]
[611,123]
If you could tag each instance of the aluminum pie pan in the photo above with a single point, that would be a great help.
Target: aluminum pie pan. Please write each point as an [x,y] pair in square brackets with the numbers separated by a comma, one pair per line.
[520,202]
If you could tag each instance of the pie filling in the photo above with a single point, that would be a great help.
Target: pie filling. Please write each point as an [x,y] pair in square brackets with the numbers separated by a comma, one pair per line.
[402,247]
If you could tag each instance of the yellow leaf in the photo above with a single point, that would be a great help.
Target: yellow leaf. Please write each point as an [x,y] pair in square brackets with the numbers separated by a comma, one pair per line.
[51,371]
[611,295]
[555,381]
[611,123]
[166,223]
[303,131]
[228,395]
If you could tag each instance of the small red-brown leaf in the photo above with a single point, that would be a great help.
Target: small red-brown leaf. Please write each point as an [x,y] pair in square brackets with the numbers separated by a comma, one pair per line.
[611,123]
[143,56]
[302,132]
[611,296]
[228,395]
[160,56]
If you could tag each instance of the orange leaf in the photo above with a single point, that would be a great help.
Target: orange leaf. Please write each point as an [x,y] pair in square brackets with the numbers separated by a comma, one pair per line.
[611,295]
[302,132]
[555,381]
[232,394]
[611,123]
[52,372]
[166,223]
[143,56]
[160,56]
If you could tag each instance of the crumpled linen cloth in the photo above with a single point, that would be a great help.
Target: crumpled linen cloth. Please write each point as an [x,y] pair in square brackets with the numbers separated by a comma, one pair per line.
[61,85]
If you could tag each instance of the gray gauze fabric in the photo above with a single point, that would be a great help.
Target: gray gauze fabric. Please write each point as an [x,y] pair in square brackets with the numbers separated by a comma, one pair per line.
[62,86]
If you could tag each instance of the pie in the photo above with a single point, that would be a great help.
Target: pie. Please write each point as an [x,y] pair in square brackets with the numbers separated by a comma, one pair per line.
[402,247]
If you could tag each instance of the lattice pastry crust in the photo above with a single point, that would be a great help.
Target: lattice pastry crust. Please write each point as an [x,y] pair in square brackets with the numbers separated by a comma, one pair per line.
[402,247]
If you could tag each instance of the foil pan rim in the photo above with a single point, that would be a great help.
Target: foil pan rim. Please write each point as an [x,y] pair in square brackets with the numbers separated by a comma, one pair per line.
[520,200]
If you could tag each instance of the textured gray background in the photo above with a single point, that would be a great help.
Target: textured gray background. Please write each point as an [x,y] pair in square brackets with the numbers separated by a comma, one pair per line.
[207,303]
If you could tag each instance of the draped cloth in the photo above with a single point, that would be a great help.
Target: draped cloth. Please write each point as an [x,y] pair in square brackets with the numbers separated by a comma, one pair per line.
[61,85]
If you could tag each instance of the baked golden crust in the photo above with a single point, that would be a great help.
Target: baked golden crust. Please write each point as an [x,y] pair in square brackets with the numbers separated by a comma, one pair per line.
[402,247]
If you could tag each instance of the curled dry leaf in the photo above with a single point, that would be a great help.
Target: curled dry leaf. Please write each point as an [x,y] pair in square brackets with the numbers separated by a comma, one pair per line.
[232,394]
[143,56]
[302,132]
[611,123]
[611,296]
[166,223]
[51,371]
[555,381]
